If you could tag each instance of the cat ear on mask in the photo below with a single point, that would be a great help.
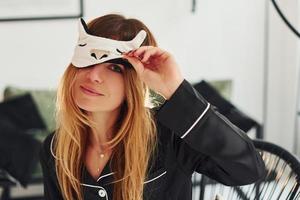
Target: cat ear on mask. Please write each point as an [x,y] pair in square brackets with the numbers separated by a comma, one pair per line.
[83,29]
[138,39]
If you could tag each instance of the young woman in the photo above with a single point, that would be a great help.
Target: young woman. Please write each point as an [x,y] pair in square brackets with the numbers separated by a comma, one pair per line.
[109,146]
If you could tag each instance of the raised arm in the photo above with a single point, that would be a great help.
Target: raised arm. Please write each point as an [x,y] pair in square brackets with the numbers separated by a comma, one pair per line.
[216,147]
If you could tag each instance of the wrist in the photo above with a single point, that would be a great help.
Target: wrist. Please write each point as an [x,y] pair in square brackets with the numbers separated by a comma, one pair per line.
[171,88]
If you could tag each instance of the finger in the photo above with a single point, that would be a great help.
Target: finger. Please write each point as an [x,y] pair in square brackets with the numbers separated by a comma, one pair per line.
[136,63]
[128,52]
[148,54]
[131,52]
[151,52]
[138,52]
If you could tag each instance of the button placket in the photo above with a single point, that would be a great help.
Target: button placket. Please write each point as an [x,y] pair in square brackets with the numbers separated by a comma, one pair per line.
[102,193]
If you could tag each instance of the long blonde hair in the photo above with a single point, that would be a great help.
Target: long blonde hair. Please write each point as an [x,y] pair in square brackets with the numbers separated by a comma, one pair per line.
[135,138]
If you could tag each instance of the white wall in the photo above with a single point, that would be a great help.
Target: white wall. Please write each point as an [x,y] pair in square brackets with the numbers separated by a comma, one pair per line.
[222,40]
[283,76]
[35,53]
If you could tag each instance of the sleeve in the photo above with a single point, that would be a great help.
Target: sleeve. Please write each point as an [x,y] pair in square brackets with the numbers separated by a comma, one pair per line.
[51,188]
[207,142]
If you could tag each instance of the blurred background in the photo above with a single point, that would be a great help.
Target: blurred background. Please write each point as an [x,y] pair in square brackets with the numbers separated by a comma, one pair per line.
[241,47]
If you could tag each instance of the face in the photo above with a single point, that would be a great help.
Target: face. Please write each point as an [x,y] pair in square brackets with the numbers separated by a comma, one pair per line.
[100,87]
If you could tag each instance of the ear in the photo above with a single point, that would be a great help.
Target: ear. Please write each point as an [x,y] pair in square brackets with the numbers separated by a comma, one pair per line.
[139,39]
[83,29]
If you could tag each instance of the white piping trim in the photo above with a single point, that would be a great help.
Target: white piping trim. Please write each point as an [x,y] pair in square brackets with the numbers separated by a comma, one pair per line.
[189,130]
[51,150]
[155,177]
[95,186]
[105,176]
[99,187]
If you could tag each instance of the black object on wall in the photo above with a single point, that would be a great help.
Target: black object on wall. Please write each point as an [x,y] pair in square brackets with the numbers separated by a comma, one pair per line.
[54,16]
[194,6]
[285,20]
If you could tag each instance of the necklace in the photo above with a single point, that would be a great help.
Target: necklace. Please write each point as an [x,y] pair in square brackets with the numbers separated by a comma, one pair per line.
[100,157]
[100,154]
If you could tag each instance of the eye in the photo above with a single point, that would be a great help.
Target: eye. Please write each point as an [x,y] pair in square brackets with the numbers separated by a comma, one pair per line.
[82,45]
[116,68]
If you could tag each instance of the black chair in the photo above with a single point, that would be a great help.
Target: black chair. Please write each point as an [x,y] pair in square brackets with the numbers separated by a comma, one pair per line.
[281,182]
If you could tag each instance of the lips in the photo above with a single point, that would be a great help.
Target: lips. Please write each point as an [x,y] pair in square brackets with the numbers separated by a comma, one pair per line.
[90,91]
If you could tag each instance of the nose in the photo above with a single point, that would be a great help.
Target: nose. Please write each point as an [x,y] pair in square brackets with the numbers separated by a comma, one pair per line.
[95,74]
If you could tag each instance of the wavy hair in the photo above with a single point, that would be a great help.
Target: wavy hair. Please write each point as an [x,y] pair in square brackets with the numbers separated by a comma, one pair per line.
[135,138]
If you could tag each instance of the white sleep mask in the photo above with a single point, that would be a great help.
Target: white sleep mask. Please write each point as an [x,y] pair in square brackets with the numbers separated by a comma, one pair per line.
[91,50]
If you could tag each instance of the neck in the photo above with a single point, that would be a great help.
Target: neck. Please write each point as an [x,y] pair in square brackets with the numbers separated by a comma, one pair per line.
[104,130]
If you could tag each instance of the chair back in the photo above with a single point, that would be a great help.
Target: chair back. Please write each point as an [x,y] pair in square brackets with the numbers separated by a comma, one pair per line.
[282,181]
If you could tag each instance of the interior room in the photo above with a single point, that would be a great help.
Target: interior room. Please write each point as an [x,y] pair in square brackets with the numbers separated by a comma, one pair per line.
[241,56]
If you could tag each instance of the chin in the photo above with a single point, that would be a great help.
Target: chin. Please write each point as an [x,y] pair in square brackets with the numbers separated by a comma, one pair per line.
[85,105]
[98,108]
[89,108]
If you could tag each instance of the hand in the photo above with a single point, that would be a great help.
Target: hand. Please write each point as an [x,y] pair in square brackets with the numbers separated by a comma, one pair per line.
[156,68]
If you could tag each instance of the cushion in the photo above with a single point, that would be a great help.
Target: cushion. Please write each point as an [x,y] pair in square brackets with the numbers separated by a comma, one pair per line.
[236,116]
[21,112]
[19,150]
[44,100]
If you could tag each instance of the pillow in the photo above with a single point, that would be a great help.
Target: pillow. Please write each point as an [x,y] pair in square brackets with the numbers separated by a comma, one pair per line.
[19,150]
[227,109]
[39,135]
[44,100]
[22,113]
[223,87]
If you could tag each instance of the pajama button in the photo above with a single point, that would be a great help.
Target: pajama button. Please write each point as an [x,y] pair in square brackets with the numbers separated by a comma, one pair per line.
[102,193]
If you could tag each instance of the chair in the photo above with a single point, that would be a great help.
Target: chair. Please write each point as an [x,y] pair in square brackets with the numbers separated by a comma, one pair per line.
[281,182]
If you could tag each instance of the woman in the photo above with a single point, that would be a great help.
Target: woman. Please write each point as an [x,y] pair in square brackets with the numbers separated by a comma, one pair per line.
[108,145]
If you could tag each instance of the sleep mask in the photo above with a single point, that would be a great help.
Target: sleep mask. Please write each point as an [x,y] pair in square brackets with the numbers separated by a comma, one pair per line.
[91,50]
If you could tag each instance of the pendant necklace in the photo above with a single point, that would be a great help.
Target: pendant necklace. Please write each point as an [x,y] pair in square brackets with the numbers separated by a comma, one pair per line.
[100,156]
